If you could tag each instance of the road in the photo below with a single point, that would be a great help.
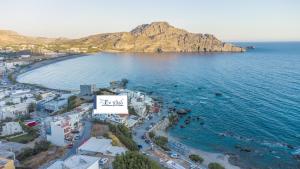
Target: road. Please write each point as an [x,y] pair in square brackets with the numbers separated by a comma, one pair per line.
[84,135]
[141,130]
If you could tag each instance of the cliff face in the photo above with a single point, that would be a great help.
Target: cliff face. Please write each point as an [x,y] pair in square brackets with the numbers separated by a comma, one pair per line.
[159,37]
[154,37]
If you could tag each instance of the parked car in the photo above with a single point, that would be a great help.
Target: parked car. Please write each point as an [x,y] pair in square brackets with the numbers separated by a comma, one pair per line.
[75,131]
[161,160]
[174,155]
[76,137]
[140,146]
[147,141]
[103,161]
[70,145]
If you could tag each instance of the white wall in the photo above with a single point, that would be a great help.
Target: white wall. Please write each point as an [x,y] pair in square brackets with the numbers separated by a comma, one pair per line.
[57,136]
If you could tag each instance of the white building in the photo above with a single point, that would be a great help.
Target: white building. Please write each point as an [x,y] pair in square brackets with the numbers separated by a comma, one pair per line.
[77,162]
[20,91]
[25,56]
[87,90]
[12,111]
[11,128]
[58,132]
[111,118]
[59,128]
[137,100]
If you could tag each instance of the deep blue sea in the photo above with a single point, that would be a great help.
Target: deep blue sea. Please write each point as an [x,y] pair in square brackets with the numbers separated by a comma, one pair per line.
[259,108]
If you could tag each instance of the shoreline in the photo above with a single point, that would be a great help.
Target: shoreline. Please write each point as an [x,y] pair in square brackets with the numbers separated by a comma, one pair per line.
[39,64]
[161,128]
[208,157]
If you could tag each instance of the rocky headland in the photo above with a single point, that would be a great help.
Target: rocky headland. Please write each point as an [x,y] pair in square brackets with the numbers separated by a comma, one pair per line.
[153,37]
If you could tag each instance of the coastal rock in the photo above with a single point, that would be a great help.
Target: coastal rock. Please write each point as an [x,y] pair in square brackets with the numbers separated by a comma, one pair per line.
[243,149]
[183,111]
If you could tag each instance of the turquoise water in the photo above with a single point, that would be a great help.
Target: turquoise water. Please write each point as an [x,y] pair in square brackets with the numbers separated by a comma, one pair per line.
[259,108]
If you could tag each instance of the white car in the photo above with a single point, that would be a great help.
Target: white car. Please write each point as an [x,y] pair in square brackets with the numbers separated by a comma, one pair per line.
[161,160]
[174,155]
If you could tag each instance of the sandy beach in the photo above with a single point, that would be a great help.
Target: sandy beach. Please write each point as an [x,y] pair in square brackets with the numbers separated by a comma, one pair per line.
[42,63]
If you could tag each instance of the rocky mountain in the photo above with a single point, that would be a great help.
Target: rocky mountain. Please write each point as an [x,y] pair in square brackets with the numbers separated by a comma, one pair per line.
[8,37]
[154,37]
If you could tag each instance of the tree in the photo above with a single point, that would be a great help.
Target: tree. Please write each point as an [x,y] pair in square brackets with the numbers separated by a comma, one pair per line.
[124,135]
[151,134]
[38,97]
[215,166]
[31,107]
[134,160]
[196,158]
[162,142]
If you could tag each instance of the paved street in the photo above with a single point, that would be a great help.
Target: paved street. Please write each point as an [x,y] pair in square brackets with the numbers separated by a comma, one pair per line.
[84,135]
[141,130]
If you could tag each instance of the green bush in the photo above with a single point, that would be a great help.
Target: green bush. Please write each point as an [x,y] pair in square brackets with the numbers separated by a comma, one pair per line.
[196,158]
[151,134]
[134,160]
[162,142]
[124,135]
[132,111]
[71,102]
[38,97]
[215,166]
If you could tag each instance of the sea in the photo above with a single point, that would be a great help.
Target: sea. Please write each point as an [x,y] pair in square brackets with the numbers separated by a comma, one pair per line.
[248,103]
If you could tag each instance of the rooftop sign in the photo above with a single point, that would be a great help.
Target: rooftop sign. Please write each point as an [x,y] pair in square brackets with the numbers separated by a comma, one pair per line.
[111,104]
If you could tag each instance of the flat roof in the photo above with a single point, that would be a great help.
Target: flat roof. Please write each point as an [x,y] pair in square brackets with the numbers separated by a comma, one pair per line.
[75,162]
[96,145]
[103,146]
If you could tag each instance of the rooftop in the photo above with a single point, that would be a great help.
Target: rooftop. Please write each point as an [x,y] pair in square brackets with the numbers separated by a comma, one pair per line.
[75,162]
[101,146]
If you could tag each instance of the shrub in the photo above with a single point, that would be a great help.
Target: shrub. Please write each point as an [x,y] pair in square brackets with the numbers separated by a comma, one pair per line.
[162,142]
[124,135]
[134,160]
[196,158]
[151,134]
[132,111]
[215,166]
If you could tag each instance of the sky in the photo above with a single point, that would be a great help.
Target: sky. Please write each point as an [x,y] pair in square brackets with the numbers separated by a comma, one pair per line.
[228,20]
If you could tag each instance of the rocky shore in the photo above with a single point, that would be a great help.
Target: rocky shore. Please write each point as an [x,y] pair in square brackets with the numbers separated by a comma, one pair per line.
[161,128]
